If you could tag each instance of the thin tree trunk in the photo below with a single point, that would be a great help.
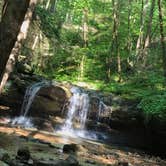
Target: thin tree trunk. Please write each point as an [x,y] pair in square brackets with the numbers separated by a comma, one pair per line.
[140,43]
[82,67]
[35,42]
[149,26]
[162,36]
[114,50]
[148,35]
[20,38]
[129,39]
[85,40]
[48,4]
[53,6]
[128,25]
[85,28]
[139,40]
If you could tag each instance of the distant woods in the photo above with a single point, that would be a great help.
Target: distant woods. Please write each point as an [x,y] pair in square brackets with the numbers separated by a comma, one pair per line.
[87,40]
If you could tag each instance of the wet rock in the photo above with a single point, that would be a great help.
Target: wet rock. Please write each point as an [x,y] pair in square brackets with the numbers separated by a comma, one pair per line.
[3,164]
[123,164]
[70,148]
[50,100]
[45,163]
[90,162]
[24,68]
[5,158]
[43,125]
[23,154]
[30,162]
[72,160]
[16,88]
[16,162]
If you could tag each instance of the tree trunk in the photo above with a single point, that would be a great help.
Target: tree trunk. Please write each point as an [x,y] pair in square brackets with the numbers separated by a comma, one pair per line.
[48,4]
[148,35]
[128,27]
[53,6]
[140,43]
[85,27]
[162,37]
[12,18]
[149,25]
[85,41]
[114,50]
[24,15]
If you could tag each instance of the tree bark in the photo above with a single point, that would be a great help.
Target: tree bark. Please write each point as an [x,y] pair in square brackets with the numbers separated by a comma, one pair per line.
[9,48]
[12,18]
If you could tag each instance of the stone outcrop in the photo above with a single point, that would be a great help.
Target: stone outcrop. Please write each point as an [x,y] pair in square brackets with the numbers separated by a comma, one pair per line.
[50,100]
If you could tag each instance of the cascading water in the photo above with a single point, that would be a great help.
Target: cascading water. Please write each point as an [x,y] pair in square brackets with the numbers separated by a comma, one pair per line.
[27,102]
[78,109]
[102,108]
[77,112]
[29,97]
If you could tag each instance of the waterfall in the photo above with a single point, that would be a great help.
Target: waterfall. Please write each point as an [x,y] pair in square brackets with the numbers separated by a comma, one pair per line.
[84,103]
[101,109]
[29,96]
[77,110]
[77,114]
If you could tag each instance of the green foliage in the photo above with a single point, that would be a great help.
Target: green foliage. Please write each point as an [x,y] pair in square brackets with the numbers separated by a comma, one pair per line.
[154,105]
[50,24]
[60,50]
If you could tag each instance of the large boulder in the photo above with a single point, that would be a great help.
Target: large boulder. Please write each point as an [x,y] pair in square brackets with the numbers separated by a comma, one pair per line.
[50,100]
[14,91]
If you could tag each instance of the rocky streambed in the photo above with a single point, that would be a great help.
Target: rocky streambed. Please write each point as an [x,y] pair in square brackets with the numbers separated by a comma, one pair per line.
[23,147]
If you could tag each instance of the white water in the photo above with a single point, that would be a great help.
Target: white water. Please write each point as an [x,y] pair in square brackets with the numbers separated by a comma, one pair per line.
[77,111]
[29,96]
[102,108]
[22,121]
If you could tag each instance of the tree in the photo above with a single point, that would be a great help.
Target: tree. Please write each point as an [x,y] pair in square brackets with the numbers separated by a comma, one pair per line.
[85,41]
[149,25]
[148,34]
[114,50]
[16,16]
[162,37]
[140,40]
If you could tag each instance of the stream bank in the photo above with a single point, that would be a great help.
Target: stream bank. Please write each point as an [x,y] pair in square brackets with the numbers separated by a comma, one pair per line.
[42,148]
[121,119]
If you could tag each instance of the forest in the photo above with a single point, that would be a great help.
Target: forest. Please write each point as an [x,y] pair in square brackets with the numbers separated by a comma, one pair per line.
[113,50]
